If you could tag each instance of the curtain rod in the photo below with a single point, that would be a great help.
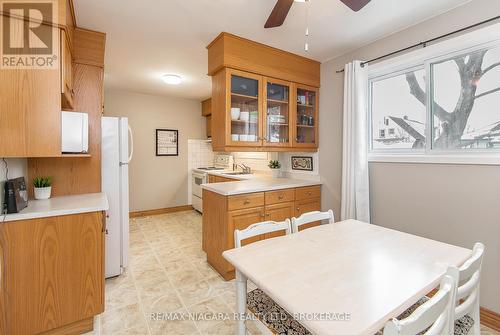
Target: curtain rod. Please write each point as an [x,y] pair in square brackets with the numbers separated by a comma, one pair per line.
[424,43]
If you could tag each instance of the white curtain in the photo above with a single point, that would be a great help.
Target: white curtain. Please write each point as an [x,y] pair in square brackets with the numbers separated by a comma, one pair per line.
[355,184]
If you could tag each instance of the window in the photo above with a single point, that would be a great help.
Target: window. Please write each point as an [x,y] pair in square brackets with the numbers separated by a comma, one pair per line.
[397,113]
[461,115]
[466,101]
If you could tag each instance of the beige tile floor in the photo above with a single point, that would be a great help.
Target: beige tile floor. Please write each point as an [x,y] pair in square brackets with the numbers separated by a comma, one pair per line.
[168,273]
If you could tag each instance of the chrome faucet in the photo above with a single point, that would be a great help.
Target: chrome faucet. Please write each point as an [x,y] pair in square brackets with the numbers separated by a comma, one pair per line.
[245,168]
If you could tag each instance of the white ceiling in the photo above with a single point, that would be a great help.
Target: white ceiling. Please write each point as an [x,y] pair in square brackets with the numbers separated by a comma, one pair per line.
[148,38]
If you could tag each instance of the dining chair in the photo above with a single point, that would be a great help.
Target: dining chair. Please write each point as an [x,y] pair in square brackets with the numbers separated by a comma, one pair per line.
[467,308]
[311,217]
[434,317]
[260,303]
[260,228]
[466,314]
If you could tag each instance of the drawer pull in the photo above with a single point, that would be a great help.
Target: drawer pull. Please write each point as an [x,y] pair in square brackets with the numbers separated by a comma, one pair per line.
[262,215]
[309,193]
[246,202]
[298,208]
[281,197]
[268,214]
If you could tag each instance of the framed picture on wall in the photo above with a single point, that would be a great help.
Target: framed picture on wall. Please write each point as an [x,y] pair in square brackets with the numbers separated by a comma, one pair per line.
[303,163]
[167,142]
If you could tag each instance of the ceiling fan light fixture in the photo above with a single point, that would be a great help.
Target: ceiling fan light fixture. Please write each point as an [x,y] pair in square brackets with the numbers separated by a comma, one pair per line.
[171,79]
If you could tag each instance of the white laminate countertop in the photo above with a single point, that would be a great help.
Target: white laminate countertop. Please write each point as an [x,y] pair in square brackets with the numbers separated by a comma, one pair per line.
[63,205]
[257,184]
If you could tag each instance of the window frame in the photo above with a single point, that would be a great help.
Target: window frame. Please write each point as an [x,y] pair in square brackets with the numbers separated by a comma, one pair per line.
[424,59]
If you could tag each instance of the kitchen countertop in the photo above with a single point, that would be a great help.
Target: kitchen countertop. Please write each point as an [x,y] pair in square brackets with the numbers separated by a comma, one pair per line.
[63,205]
[256,183]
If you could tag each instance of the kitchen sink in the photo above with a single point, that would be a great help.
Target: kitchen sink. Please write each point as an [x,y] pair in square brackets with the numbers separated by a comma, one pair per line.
[236,173]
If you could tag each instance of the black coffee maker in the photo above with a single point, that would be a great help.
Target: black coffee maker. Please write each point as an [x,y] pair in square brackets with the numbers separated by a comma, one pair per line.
[16,195]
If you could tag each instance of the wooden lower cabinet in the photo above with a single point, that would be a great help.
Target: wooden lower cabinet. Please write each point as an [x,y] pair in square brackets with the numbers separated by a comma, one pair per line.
[241,219]
[52,274]
[223,214]
[279,212]
[307,205]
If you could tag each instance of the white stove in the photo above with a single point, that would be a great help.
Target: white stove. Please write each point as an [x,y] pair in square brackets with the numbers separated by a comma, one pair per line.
[200,176]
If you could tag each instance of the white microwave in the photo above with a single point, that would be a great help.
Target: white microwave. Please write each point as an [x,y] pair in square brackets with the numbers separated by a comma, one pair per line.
[75,132]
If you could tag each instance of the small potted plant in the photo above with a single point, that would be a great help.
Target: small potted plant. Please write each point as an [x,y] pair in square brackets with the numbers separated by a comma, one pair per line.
[275,167]
[43,187]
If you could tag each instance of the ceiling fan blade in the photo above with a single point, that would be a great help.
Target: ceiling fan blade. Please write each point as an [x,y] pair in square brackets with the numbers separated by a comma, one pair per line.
[279,13]
[355,5]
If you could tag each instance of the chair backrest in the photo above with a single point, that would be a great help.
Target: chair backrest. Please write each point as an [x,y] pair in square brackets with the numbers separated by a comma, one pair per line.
[436,315]
[468,283]
[311,217]
[260,228]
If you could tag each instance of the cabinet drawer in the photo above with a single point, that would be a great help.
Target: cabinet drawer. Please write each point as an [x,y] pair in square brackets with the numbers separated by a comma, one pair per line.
[276,197]
[304,193]
[245,201]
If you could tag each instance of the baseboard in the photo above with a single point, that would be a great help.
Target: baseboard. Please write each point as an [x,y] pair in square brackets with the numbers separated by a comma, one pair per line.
[490,319]
[160,211]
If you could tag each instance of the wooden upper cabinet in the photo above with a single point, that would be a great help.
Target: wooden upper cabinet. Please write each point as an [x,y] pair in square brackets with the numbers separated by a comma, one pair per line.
[206,107]
[255,89]
[243,109]
[305,121]
[67,91]
[277,112]
[30,105]
[235,52]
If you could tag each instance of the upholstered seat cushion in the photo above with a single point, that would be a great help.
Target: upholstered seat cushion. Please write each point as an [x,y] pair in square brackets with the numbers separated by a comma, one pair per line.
[462,325]
[272,315]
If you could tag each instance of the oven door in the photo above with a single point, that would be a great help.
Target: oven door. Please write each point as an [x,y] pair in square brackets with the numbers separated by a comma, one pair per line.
[198,179]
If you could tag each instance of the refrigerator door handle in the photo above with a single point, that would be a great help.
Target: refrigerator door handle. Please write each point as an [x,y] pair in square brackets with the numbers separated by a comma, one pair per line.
[131,144]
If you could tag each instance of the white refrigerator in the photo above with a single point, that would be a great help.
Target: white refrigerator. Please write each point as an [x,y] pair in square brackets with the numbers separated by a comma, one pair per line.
[114,178]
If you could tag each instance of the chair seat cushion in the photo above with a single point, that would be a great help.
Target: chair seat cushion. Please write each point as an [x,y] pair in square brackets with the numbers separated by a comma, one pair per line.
[462,325]
[272,315]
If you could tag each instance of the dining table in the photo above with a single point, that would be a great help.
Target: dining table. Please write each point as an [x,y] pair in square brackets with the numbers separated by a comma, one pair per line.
[346,278]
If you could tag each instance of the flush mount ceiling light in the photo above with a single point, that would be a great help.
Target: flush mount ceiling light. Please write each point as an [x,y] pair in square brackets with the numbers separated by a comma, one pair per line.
[171,79]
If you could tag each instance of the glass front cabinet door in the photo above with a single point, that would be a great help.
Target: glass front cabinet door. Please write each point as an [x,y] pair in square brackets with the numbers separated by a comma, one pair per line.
[306,117]
[276,121]
[245,109]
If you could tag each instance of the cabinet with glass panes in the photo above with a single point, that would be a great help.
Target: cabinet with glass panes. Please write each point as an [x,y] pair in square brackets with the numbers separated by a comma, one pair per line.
[245,109]
[277,108]
[306,117]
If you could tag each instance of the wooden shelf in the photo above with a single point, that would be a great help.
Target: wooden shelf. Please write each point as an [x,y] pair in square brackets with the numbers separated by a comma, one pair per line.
[277,124]
[304,126]
[280,102]
[305,106]
[243,122]
[75,155]
[235,97]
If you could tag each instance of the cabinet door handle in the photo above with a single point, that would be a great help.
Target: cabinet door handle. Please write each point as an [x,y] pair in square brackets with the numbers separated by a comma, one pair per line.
[309,193]
[246,202]
[298,208]
[281,197]
[262,215]
[268,214]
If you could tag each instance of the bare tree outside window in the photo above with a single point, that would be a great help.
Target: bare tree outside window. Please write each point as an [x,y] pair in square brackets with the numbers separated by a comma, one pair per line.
[465,101]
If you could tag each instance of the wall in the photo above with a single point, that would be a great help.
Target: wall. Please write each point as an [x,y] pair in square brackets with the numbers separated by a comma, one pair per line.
[457,204]
[17,168]
[157,182]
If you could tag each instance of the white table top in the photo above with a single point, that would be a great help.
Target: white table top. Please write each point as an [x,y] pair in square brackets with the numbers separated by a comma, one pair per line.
[257,184]
[63,205]
[368,271]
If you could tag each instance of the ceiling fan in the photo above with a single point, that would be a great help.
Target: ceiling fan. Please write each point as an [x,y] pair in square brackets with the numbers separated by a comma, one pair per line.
[280,10]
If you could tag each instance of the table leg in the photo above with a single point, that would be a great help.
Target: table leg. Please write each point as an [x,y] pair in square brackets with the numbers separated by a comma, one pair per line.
[241,302]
